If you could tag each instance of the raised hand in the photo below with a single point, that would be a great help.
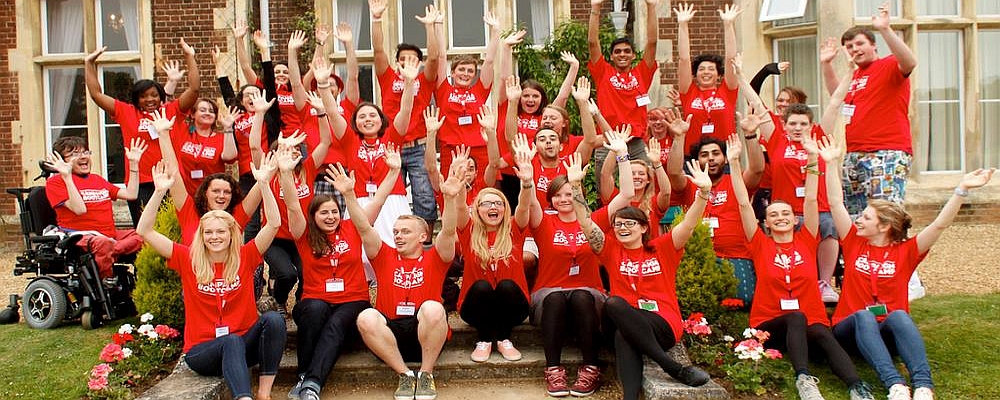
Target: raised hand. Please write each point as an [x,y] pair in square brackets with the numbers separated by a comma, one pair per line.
[410,70]
[160,121]
[186,48]
[752,120]
[452,186]
[569,58]
[430,15]
[376,7]
[828,149]
[227,119]
[977,178]
[809,144]
[522,159]
[685,13]
[734,147]
[512,85]
[575,170]
[392,158]
[163,176]
[433,119]
[135,148]
[316,102]
[63,166]
[297,40]
[515,38]
[653,150]
[292,140]
[521,144]
[737,64]
[596,3]
[460,155]
[699,176]
[487,118]
[340,179]
[677,124]
[616,140]
[268,166]
[674,96]
[286,160]
[343,33]
[261,40]
[491,21]
[828,50]
[93,56]
[730,12]
[592,106]
[784,66]
[259,103]
[322,32]
[240,28]
[173,70]
[880,21]
[581,91]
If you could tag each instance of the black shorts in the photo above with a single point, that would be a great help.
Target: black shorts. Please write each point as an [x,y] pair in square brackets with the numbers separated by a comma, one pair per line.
[405,331]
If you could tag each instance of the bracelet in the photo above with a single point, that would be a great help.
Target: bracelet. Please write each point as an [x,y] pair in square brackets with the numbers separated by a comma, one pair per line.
[660,165]
[814,171]
[227,130]
[137,171]
[961,192]
[527,185]
[751,137]
[320,115]
[622,158]
[323,85]
[379,19]
[702,194]
[812,164]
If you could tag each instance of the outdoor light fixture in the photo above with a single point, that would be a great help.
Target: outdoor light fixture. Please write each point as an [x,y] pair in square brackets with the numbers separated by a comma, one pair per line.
[619,17]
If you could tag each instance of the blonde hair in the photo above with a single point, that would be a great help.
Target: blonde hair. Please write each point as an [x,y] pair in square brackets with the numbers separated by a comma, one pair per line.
[895,216]
[647,193]
[204,272]
[503,245]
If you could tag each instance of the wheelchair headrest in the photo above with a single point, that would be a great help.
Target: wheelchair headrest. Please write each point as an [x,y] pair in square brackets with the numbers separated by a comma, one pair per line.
[46,171]
[41,212]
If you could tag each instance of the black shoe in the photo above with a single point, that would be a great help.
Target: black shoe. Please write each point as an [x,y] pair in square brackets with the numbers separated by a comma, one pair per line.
[692,376]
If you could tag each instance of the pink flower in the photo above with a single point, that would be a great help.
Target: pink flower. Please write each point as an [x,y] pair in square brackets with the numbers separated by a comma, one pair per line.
[761,336]
[701,330]
[100,371]
[166,332]
[749,349]
[96,384]
[112,353]
[772,354]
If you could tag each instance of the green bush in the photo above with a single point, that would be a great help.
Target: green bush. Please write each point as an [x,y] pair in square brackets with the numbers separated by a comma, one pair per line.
[702,283]
[158,288]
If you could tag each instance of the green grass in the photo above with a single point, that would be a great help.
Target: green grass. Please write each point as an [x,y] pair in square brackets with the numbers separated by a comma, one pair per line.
[961,334]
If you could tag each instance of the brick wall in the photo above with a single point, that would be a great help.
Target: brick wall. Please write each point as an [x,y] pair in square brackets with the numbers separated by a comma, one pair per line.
[10,154]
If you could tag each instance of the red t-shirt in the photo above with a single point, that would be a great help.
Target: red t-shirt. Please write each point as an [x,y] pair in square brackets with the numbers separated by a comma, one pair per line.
[189,219]
[893,265]
[542,176]
[98,195]
[290,115]
[647,275]
[796,264]
[337,276]
[460,107]
[367,160]
[603,220]
[135,124]
[304,192]
[241,130]
[722,214]
[565,258]
[570,146]
[198,156]
[712,106]
[527,124]
[406,281]
[511,267]
[391,86]
[623,97]
[881,96]
[211,305]
[788,165]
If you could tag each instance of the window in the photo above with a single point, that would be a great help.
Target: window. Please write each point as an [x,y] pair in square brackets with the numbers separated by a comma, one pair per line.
[782,9]
[989,96]
[536,17]
[937,7]
[366,80]
[410,30]
[466,27]
[988,7]
[808,16]
[66,105]
[118,26]
[804,73]
[116,80]
[356,14]
[939,104]
[867,8]
[63,26]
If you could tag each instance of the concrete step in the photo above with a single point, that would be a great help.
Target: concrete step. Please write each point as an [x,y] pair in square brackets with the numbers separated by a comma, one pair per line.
[500,389]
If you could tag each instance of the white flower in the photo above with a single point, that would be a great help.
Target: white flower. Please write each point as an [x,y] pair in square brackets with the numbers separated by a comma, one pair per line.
[146,317]
[126,352]
[749,332]
[127,328]
[145,329]
[728,338]
[152,334]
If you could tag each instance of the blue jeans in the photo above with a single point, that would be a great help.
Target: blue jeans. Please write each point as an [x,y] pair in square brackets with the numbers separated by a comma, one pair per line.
[876,341]
[424,205]
[231,355]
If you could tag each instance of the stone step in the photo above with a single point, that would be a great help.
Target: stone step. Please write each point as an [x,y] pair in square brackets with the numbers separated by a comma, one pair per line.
[505,389]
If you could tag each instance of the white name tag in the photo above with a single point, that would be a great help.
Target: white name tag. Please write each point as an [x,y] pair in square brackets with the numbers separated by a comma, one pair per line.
[574,270]
[465,120]
[407,308]
[642,100]
[712,223]
[707,128]
[197,174]
[221,331]
[847,110]
[334,285]
[800,191]
[648,305]
[153,134]
[371,188]
[789,304]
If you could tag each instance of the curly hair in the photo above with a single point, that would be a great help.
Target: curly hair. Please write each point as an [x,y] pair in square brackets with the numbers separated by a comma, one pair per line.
[201,200]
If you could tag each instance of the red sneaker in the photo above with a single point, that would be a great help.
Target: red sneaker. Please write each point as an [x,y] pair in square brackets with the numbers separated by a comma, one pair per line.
[588,379]
[555,381]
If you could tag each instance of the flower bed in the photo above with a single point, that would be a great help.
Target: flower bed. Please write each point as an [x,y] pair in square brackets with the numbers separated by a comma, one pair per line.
[133,359]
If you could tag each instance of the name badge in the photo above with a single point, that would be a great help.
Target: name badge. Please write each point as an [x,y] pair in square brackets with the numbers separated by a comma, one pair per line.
[847,110]
[334,285]
[642,100]
[648,305]
[712,223]
[574,270]
[221,331]
[877,309]
[707,128]
[800,191]
[153,134]
[197,174]
[371,188]
[465,120]
[407,308]
[789,304]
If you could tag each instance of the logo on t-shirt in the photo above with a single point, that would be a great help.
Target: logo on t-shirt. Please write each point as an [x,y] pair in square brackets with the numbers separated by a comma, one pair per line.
[404,279]
[219,287]
[397,85]
[286,100]
[718,197]
[859,83]
[244,125]
[302,191]
[462,98]
[794,153]
[527,123]
[543,183]
[650,266]
[885,269]
[561,238]
[787,261]
[95,195]
[711,103]
[624,83]
[370,154]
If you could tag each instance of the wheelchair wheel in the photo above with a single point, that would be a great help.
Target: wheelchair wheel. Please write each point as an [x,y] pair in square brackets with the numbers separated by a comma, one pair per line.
[44,305]
[90,320]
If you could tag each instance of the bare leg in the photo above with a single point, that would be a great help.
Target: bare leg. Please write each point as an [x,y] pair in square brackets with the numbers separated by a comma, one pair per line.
[432,331]
[826,256]
[377,336]
[264,387]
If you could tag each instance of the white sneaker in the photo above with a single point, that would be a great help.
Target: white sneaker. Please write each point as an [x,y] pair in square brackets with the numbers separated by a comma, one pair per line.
[915,287]
[808,387]
[923,393]
[826,291]
[899,391]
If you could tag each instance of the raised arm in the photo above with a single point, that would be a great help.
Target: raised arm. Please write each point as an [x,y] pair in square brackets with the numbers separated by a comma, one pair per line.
[162,181]
[617,145]
[594,30]
[487,115]
[652,33]
[600,121]
[189,97]
[227,119]
[575,173]
[377,8]
[442,41]
[685,12]
[325,137]
[263,175]
[336,122]
[523,154]
[675,163]
[344,35]
[295,42]
[755,154]
[506,62]
[453,190]
[260,107]
[606,187]
[345,184]
[105,102]
[297,223]
[682,232]
[757,82]
[728,16]
[929,235]
[242,55]
[133,153]
[747,216]
[567,84]
[225,85]
[810,207]
[433,122]
[662,181]
[431,17]
[74,200]
[174,75]
[830,154]
[512,93]
[829,119]
[827,52]
[904,56]
[394,161]
[409,72]
[524,170]
[163,126]
[486,72]
[581,93]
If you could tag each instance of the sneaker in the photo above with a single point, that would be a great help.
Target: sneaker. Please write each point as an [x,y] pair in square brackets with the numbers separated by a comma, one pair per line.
[588,379]
[482,351]
[861,391]
[407,387]
[826,291]
[923,393]
[692,376]
[297,389]
[425,387]
[507,350]
[308,393]
[899,391]
[555,381]
[807,386]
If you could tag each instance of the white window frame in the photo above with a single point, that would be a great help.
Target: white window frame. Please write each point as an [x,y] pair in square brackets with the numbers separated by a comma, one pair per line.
[982,100]
[399,27]
[102,125]
[924,136]
[765,10]
[99,28]
[895,11]
[777,80]
[375,88]
[46,86]
[552,21]
[958,9]
[451,27]
[338,48]
[45,31]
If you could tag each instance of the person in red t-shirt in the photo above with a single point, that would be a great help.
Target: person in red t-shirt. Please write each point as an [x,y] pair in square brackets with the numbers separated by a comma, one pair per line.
[223,335]
[652,197]
[787,301]
[83,200]
[642,309]
[472,186]
[409,322]
[146,96]
[873,313]
[196,148]
[713,104]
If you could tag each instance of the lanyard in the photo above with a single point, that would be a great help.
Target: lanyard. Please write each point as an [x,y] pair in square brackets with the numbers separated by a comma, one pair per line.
[334,257]
[372,153]
[409,283]
[788,267]
[873,271]
[706,103]
[220,298]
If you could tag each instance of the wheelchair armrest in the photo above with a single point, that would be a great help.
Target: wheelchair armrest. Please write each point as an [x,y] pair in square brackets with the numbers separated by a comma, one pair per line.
[17,191]
[69,241]
[45,239]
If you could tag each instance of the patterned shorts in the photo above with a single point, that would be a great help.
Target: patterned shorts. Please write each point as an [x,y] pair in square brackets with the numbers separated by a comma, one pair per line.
[876,175]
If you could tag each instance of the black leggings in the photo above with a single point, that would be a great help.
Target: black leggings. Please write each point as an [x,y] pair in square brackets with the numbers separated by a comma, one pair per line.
[790,334]
[494,312]
[638,333]
[555,318]
[285,268]
[324,330]
[135,206]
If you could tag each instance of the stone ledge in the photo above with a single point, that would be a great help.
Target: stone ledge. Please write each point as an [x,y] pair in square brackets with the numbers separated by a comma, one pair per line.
[183,383]
[657,385]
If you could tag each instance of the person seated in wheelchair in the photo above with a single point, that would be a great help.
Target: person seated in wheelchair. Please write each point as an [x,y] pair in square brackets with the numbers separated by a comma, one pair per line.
[83,200]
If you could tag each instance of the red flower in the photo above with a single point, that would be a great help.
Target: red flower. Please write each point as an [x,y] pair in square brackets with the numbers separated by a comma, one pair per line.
[772,354]
[696,317]
[166,332]
[732,303]
[122,338]
[112,353]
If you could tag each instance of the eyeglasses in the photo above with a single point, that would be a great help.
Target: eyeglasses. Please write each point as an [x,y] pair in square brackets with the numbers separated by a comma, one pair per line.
[491,203]
[626,223]
[77,153]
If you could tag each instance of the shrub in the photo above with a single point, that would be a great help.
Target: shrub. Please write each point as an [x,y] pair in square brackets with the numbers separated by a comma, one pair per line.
[702,282]
[158,288]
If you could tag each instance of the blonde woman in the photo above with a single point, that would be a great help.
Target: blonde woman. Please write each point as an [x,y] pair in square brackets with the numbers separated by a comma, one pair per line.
[223,334]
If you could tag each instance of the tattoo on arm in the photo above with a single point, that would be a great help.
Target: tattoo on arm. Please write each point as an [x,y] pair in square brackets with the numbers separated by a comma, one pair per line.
[596,239]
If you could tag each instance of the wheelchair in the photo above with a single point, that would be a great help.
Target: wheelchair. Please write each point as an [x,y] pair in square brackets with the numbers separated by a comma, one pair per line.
[66,285]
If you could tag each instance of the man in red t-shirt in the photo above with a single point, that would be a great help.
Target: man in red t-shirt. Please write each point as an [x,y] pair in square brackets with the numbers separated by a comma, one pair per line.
[409,322]
[83,201]
[879,144]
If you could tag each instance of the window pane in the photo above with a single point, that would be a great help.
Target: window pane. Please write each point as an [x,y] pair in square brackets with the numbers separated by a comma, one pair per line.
[534,16]
[411,30]
[119,25]
[867,8]
[989,121]
[937,7]
[115,155]
[356,14]
[939,105]
[988,7]
[366,84]
[57,133]
[989,91]
[467,27]
[808,16]
[64,26]
[67,97]
[804,73]
[117,82]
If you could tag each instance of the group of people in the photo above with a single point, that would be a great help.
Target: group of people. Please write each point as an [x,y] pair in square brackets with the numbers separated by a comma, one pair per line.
[514,212]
